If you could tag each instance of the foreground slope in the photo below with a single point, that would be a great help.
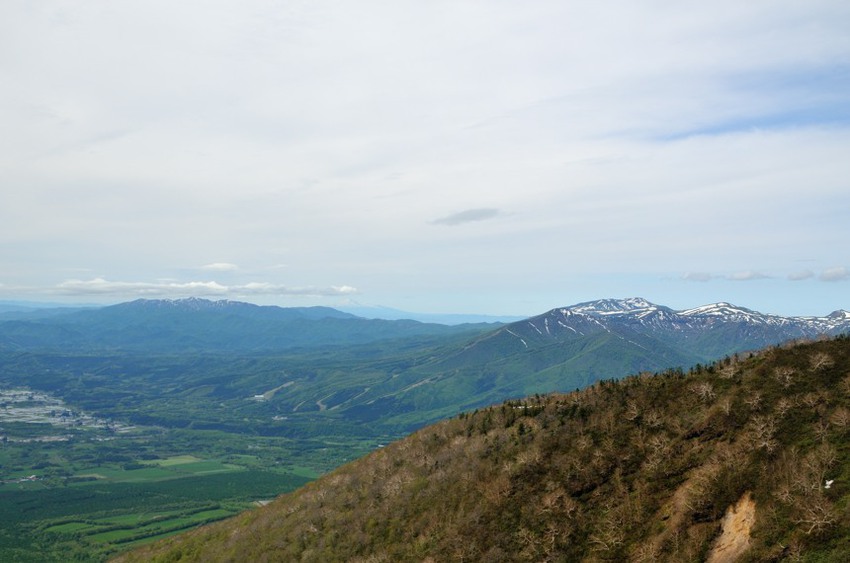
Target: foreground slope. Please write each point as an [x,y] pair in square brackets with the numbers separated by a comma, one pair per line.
[744,460]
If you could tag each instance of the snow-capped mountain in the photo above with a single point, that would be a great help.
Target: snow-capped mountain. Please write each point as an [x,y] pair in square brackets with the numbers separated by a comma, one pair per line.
[639,309]
[631,305]
[708,331]
[835,319]
[637,333]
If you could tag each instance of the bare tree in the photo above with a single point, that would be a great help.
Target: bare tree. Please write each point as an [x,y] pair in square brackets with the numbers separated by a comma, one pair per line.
[821,430]
[821,360]
[653,419]
[632,411]
[558,501]
[609,535]
[783,405]
[647,553]
[762,431]
[816,512]
[754,401]
[728,371]
[840,419]
[811,400]
[784,493]
[784,375]
[704,390]
[820,461]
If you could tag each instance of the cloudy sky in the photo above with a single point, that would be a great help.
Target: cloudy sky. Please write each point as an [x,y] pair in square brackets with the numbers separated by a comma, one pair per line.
[443,156]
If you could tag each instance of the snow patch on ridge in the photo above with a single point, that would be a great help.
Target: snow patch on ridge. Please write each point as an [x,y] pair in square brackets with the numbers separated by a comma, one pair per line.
[639,310]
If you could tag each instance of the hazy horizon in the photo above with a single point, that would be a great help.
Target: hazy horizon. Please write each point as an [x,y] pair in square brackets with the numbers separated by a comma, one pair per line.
[375,311]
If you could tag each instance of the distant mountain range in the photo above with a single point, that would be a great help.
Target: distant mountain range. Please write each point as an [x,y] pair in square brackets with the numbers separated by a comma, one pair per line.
[401,373]
[388,313]
[707,331]
[572,347]
[196,325]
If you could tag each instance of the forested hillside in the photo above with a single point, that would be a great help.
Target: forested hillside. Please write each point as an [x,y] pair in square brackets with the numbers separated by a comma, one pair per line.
[746,459]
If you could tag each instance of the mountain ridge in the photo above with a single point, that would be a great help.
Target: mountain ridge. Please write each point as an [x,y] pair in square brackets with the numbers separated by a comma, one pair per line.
[398,374]
[197,304]
[686,327]
[194,325]
[647,468]
[634,307]
[388,375]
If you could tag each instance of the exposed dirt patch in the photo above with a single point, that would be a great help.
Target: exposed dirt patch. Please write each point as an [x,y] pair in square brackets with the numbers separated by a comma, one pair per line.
[734,537]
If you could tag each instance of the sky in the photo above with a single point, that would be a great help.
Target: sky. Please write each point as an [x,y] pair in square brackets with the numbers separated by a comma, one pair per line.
[458,156]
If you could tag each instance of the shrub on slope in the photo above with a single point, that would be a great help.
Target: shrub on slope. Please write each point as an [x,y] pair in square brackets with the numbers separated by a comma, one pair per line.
[642,469]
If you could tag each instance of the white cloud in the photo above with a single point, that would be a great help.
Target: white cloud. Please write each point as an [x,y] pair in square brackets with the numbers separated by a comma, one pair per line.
[835,274]
[220,267]
[697,276]
[801,275]
[257,288]
[747,276]
[100,286]
[831,274]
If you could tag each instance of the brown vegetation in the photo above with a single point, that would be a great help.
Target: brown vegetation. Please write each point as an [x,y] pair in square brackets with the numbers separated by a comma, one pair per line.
[642,469]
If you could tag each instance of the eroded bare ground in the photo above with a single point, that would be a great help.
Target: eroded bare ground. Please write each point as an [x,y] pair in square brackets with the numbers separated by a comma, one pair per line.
[731,544]
[734,537]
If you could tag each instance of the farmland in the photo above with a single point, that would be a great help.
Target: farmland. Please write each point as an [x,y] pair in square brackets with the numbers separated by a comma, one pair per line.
[76,487]
[90,519]
[100,453]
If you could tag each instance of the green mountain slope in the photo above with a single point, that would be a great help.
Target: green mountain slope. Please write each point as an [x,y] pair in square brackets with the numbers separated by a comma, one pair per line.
[197,326]
[747,459]
[286,372]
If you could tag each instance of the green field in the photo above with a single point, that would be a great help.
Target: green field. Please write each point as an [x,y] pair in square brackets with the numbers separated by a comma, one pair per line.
[96,493]
[91,498]
[71,528]
[173,460]
[96,511]
[158,472]
[133,475]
